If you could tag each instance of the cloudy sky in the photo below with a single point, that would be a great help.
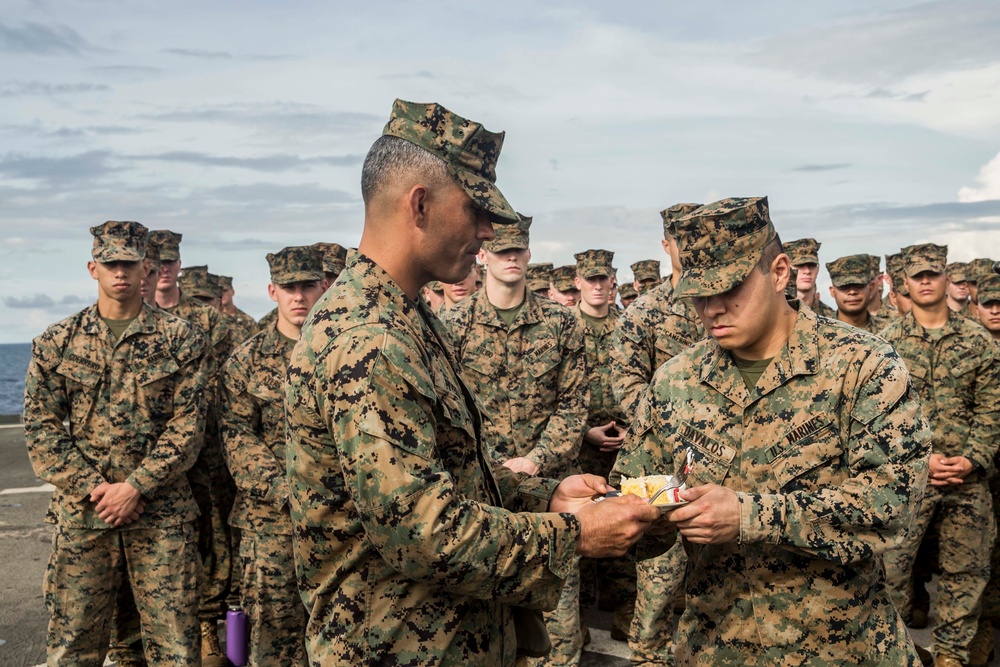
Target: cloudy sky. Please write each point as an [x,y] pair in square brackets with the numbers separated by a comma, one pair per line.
[242,124]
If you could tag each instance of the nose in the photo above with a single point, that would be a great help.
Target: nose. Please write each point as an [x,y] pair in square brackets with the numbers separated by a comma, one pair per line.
[714,305]
[484,227]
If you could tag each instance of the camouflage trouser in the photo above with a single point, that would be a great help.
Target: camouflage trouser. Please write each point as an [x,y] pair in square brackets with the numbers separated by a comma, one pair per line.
[991,597]
[563,624]
[215,571]
[82,584]
[963,515]
[658,581]
[270,598]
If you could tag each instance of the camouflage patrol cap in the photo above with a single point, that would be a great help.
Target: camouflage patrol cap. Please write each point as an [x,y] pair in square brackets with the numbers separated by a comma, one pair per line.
[894,267]
[925,257]
[169,242]
[510,236]
[979,269]
[563,277]
[646,269]
[119,241]
[876,264]
[592,263]
[627,291]
[153,255]
[720,244]
[225,282]
[539,276]
[295,264]
[674,212]
[989,289]
[334,256]
[468,149]
[197,281]
[958,272]
[435,286]
[851,270]
[803,251]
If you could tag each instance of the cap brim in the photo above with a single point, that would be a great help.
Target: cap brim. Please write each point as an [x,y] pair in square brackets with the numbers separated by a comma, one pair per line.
[296,277]
[487,196]
[713,280]
[493,246]
[595,272]
[106,255]
[919,267]
[800,261]
[855,279]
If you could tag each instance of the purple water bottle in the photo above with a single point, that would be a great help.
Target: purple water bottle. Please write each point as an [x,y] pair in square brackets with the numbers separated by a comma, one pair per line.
[237,642]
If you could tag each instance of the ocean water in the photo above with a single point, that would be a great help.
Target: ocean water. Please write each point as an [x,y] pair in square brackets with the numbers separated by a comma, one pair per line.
[14,359]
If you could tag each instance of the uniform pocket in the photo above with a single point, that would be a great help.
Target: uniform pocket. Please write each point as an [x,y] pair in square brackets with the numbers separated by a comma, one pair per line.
[810,461]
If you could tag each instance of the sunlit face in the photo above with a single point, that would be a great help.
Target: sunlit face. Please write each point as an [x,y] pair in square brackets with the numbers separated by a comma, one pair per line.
[927,288]
[958,291]
[227,297]
[295,300]
[119,281]
[168,273]
[989,315]
[455,231]
[594,291]
[508,266]
[852,299]
[806,278]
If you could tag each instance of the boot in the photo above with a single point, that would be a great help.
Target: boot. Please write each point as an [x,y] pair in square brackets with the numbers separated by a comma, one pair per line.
[981,646]
[621,620]
[585,632]
[128,662]
[947,661]
[926,657]
[211,652]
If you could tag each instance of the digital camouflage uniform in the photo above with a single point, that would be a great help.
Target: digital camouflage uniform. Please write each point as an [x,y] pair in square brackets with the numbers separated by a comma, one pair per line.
[614,577]
[135,409]
[827,455]
[955,375]
[531,383]
[268,320]
[209,479]
[653,330]
[539,276]
[647,273]
[253,431]
[856,270]
[241,326]
[404,552]
[806,251]
[976,271]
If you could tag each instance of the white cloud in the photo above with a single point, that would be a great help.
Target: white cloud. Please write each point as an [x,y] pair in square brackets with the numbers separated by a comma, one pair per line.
[987,183]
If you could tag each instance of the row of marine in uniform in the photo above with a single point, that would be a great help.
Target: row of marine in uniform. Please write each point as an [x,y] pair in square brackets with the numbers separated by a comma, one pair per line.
[337,449]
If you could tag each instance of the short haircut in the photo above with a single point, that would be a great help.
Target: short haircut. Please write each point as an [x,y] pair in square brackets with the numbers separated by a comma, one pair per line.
[390,157]
[769,254]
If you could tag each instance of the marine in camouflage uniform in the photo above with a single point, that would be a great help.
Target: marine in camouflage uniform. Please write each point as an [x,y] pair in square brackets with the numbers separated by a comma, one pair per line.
[530,377]
[209,479]
[253,431]
[899,294]
[800,477]
[853,279]
[988,295]
[611,580]
[241,325]
[627,294]
[539,278]
[645,275]
[563,289]
[958,287]
[976,270]
[409,548]
[804,255]
[132,390]
[954,371]
[656,328]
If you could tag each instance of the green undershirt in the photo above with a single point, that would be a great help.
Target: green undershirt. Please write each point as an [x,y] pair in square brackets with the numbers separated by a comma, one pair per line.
[596,324]
[508,315]
[117,327]
[751,370]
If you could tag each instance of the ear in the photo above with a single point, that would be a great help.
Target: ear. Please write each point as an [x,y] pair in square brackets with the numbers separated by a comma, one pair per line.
[481,255]
[272,292]
[781,272]
[832,295]
[92,269]
[417,202]
[666,246]
[578,281]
